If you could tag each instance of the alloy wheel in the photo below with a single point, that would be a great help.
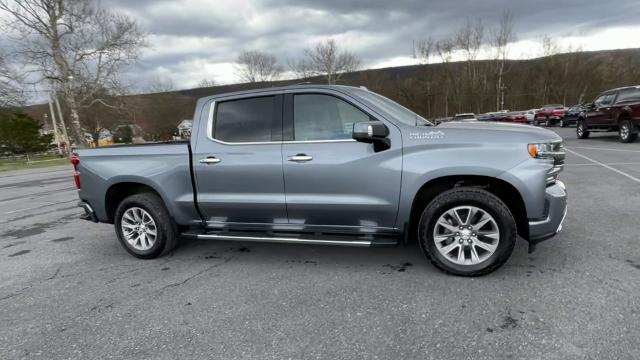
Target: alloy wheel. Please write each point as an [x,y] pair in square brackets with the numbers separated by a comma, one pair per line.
[624,131]
[466,235]
[139,228]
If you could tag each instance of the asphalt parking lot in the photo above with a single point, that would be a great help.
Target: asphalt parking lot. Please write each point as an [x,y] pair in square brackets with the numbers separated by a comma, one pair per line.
[68,290]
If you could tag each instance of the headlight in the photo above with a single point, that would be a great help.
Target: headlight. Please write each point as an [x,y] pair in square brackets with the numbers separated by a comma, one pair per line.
[552,151]
[545,150]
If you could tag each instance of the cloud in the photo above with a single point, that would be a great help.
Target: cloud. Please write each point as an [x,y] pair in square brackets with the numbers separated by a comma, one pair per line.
[195,39]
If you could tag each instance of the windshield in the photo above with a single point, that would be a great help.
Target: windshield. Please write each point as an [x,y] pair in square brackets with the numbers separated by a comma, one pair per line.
[391,107]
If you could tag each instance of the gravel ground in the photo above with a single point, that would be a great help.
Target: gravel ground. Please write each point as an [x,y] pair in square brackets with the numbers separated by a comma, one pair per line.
[68,290]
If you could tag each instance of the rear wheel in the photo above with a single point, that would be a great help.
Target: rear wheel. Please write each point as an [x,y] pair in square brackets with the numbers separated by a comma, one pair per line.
[144,227]
[582,131]
[625,132]
[467,231]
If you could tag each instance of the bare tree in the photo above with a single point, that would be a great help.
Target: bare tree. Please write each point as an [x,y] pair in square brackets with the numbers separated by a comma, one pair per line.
[425,50]
[11,91]
[257,66]
[502,38]
[328,60]
[468,40]
[444,49]
[206,83]
[75,43]
[160,85]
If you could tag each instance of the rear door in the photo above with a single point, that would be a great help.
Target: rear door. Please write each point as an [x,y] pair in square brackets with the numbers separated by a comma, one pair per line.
[333,182]
[238,164]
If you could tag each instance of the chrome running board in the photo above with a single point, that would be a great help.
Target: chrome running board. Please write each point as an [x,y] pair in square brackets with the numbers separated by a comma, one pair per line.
[325,239]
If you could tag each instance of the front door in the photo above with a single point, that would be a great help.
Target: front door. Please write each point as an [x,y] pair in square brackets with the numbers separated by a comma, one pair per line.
[600,113]
[332,181]
[238,166]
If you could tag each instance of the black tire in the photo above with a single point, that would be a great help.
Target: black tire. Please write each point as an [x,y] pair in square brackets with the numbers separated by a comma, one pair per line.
[582,131]
[166,230]
[626,132]
[468,196]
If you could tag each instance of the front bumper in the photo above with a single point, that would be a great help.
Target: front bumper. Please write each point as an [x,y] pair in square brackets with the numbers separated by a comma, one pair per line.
[556,204]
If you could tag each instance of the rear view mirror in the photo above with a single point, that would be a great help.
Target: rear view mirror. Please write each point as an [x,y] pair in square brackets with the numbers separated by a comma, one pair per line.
[373,132]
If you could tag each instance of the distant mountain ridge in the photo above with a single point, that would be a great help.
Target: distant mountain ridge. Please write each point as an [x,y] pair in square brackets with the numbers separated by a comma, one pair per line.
[438,89]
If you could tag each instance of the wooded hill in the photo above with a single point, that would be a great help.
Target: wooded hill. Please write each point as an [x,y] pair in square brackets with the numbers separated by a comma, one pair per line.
[433,90]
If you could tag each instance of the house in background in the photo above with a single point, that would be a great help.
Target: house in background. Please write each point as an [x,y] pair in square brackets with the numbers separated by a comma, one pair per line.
[135,132]
[184,129]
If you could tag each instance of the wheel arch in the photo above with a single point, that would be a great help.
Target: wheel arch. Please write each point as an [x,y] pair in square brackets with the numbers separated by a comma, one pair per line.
[504,190]
[121,190]
[624,115]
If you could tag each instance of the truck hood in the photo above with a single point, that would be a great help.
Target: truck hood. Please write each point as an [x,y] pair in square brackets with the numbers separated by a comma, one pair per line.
[494,128]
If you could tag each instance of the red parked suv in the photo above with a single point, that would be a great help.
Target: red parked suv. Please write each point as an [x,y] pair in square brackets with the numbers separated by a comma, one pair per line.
[613,110]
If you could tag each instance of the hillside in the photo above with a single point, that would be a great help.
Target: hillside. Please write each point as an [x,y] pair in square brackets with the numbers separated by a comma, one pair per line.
[432,90]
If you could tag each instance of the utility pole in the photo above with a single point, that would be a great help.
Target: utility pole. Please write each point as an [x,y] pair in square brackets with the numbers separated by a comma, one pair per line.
[502,90]
[64,126]
[55,126]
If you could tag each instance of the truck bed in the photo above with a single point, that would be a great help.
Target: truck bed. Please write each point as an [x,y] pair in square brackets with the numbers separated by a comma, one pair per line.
[164,167]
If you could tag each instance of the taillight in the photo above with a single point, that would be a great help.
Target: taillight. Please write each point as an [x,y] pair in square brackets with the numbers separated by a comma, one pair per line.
[75,160]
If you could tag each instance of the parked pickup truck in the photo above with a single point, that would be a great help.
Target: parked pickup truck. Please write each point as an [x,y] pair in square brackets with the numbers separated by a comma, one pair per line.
[332,165]
[614,110]
[550,114]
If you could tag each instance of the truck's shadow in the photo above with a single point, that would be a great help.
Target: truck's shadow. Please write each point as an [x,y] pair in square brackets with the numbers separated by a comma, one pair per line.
[383,260]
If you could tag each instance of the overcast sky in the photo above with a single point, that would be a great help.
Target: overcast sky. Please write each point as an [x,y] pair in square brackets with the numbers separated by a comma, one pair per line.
[191,40]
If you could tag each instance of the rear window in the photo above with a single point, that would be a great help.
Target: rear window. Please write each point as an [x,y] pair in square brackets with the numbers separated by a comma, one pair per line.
[244,120]
[629,95]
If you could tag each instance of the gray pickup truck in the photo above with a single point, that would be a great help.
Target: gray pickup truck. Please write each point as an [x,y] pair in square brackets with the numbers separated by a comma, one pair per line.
[332,165]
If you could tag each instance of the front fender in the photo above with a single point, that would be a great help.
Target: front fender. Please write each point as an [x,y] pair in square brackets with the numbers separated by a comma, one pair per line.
[422,164]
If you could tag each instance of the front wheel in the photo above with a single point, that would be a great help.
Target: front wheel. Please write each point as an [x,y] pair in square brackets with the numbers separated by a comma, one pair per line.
[625,132]
[582,132]
[467,231]
[144,227]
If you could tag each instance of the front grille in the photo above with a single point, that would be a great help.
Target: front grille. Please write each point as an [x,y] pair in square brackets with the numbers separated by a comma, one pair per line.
[558,154]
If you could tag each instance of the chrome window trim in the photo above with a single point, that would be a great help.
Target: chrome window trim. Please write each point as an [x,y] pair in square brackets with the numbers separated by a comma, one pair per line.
[318,141]
[210,131]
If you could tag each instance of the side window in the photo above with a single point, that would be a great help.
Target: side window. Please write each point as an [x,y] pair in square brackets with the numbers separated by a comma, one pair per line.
[324,117]
[608,99]
[604,100]
[600,100]
[244,120]
[629,95]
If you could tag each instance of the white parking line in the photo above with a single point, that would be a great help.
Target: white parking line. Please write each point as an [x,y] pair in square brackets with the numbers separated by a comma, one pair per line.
[605,165]
[607,149]
[611,164]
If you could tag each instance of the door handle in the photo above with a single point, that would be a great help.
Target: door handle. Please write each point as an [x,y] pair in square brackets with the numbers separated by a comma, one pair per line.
[210,160]
[300,158]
